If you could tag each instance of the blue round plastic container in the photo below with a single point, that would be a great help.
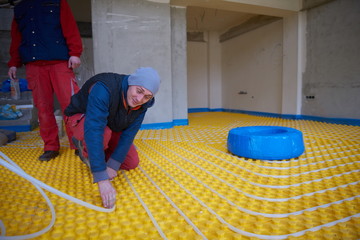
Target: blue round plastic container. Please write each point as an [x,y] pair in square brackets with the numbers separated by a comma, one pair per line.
[266,142]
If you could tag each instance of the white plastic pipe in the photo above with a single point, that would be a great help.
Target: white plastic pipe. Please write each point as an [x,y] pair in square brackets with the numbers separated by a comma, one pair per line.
[12,166]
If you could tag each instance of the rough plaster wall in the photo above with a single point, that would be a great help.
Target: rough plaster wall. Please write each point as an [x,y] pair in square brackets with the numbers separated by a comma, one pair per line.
[252,64]
[178,63]
[6,16]
[132,34]
[197,74]
[86,69]
[81,10]
[332,72]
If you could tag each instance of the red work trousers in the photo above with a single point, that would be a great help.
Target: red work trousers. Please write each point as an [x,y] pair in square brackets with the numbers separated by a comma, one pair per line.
[111,139]
[44,81]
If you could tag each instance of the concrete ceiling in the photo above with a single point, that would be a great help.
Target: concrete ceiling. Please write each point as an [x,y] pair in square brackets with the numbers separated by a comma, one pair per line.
[209,19]
[221,15]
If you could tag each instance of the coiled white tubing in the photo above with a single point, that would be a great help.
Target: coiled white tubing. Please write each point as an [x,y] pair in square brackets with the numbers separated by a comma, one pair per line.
[12,166]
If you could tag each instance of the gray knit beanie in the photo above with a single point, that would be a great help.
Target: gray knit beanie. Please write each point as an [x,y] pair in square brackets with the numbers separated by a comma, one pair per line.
[146,77]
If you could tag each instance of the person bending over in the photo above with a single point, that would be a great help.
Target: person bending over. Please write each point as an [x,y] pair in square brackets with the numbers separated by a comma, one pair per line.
[105,115]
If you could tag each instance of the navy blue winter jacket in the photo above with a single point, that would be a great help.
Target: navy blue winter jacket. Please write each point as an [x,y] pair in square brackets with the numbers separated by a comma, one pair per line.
[39,24]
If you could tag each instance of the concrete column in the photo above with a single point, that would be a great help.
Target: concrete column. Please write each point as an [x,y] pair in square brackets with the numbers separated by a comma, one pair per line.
[132,34]
[179,65]
[214,71]
[292,64]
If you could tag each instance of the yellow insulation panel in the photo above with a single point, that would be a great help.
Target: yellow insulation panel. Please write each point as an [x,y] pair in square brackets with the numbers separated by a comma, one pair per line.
[188,186]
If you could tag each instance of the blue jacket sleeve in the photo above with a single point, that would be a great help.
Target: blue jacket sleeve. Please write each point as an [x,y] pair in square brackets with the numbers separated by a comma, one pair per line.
[126,139]
[97,112]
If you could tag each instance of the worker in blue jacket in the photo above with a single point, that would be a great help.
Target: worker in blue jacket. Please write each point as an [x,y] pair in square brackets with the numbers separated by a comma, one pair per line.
[105,115]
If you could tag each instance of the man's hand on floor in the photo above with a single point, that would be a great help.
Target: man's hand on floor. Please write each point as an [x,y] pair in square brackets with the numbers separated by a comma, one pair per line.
[107,193]
[111,172]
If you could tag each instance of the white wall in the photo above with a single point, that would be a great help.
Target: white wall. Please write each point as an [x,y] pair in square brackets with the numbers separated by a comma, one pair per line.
[252,63]
[197,55]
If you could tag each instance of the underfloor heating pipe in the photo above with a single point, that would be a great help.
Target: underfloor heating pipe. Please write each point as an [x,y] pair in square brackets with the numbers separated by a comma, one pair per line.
[12,166]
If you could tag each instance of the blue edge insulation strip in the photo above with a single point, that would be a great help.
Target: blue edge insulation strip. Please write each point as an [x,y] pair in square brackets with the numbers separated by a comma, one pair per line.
[184,122]
[345,121]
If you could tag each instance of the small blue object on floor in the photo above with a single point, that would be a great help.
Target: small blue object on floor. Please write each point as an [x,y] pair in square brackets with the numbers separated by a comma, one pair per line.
[23,84]
[266,142]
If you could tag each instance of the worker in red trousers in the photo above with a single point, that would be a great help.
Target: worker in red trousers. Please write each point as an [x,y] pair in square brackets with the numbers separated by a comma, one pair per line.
[46,39]
[105,116]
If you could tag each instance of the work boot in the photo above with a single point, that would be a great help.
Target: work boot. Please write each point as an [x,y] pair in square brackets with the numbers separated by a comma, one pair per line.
[48,155]
[80,148]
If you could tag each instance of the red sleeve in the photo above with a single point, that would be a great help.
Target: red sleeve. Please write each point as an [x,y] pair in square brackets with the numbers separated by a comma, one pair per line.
[70,30]
[15,60]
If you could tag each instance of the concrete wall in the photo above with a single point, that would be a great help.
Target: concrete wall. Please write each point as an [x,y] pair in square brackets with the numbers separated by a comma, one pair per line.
[6,16]
[252,64]
[86,69]
[81,10]
[333,61]
[132,34]
[82,13]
